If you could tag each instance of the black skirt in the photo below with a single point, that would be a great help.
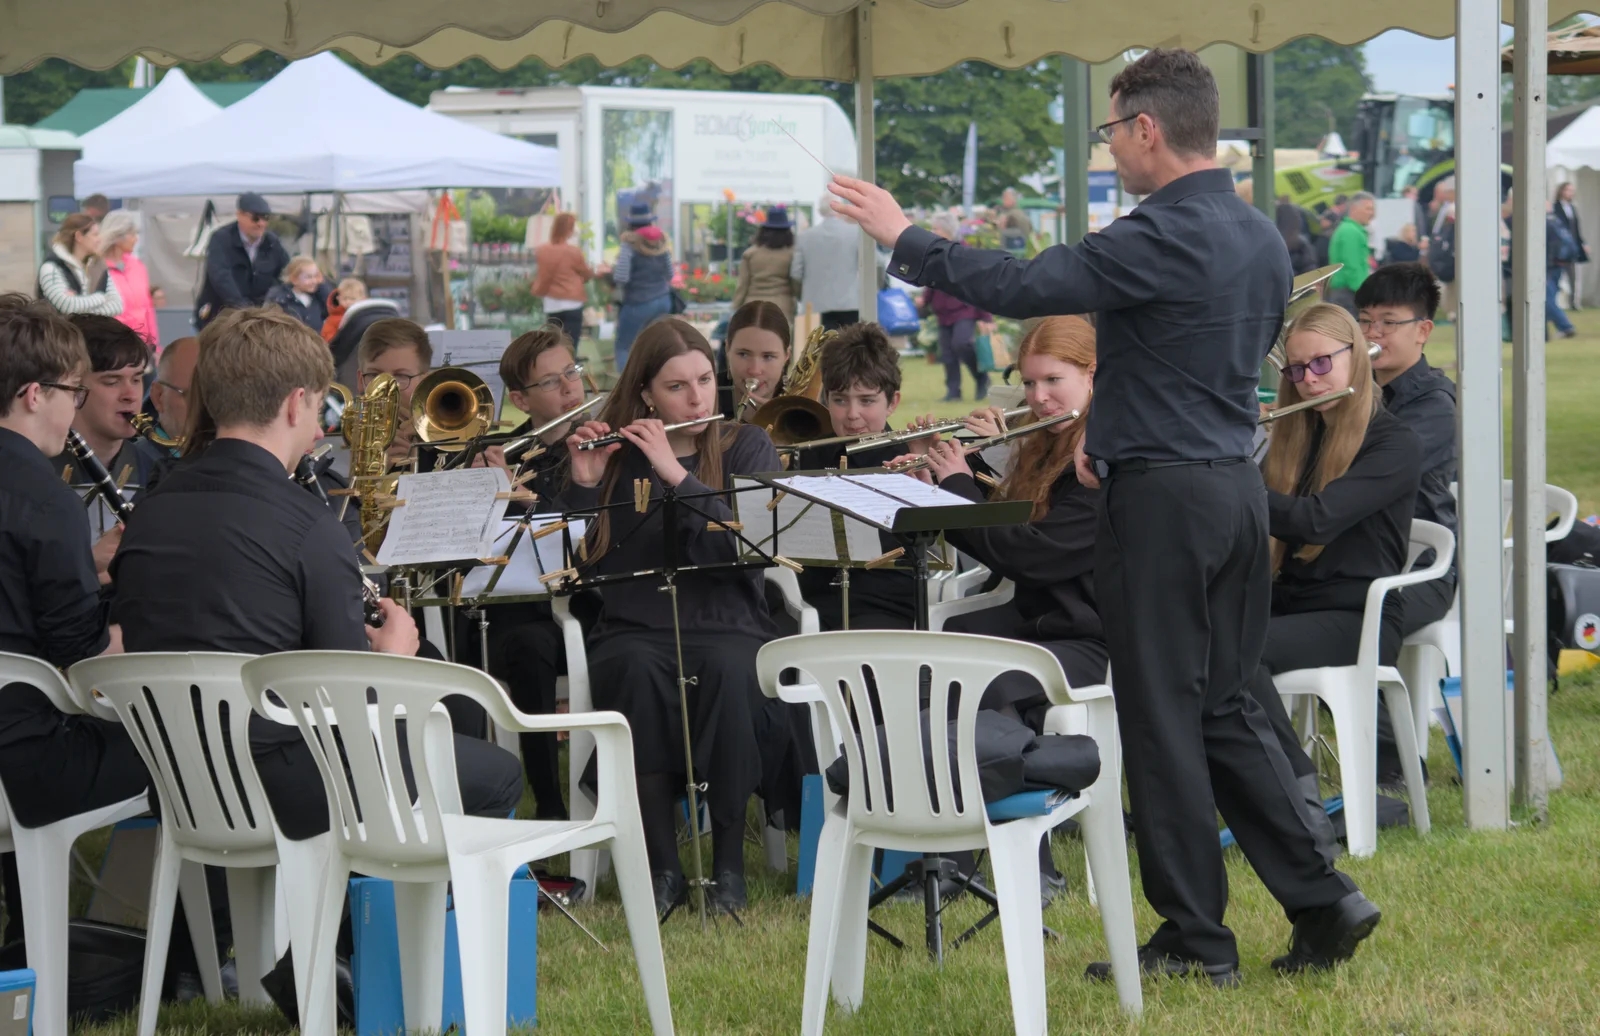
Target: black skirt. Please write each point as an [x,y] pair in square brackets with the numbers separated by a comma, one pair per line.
[1083,660]
[736,731]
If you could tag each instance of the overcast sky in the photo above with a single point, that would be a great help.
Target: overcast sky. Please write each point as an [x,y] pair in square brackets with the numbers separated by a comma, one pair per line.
[1402,62]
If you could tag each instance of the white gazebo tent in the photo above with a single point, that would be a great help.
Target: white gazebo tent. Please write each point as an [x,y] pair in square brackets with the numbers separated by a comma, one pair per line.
[836,39]
[173,104]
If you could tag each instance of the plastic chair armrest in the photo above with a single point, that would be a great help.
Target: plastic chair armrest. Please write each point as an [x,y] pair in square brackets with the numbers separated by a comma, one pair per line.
[943,611]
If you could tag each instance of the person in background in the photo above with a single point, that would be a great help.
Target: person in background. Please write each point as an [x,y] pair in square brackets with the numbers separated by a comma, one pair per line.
[1291,222]
[169,398]
[560,278]
[1440,253]
[96,206]
[158,296]
[303,293]
[643,273]
[827,259]
[758,348]
[1566,214]
[960,323]
[243,261]
[765,270]
[119,235]
[1349,247]
[1328,223]
[72,277]
[1403,248]
[360,313]
[350,290]
[400,349]
[1561,253]
[1014,225]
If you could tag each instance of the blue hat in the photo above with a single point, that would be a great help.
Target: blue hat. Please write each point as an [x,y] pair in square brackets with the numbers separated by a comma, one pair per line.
[639,214]
[778,218]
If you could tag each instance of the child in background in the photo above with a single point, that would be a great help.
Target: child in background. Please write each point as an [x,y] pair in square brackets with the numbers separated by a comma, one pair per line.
[350,290]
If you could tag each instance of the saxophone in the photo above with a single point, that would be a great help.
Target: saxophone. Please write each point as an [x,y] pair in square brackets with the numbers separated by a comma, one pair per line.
[369,426]
[146,426]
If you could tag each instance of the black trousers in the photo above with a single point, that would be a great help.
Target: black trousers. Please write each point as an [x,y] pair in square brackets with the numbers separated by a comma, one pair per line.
[489,778]
[834,319]
[1182,577]
[570,321]
[958,344]
[1311,640]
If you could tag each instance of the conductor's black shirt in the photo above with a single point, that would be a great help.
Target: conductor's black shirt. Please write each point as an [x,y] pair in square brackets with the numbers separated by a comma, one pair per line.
[1189,288]
[227,553]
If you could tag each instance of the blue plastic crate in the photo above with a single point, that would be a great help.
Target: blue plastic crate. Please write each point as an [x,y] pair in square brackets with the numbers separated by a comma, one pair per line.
[16,1002]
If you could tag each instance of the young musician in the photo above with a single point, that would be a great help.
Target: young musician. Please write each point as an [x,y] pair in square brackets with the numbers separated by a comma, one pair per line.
[1341,492]
[1051,558]
[1396,304]
[526,650]
[861,388]
[52,766]
[400,349]
[758,348]
[670,378]
[229,554]
[118,359]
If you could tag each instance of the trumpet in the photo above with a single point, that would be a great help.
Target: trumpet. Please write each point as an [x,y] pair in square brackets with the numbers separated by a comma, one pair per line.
[145,425]
[1305,404]
[878,440]
[919,462]
[749,398]
[450,407]
[615,437]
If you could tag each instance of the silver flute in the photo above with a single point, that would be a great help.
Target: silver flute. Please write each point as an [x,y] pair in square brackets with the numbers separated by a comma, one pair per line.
[515,447]
[607,440]
[1305,404]
[954,424]
[974,446]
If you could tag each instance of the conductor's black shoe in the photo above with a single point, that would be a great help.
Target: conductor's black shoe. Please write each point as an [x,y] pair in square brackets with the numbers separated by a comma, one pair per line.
[1051,886]
[670,889]
[1155,964]
[1328,935]
[728,894]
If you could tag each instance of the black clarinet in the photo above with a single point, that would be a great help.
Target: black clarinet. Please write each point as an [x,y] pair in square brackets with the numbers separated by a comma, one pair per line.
[305,473]
[101,478]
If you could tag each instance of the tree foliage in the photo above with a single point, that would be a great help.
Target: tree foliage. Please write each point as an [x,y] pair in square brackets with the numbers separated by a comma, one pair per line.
[1317,85]
[34,94]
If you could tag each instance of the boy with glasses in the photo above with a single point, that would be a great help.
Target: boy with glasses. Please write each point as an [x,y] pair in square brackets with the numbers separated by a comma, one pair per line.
[1396,306]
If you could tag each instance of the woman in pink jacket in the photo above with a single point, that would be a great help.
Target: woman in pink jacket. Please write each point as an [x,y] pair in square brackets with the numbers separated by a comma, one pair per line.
[119,233]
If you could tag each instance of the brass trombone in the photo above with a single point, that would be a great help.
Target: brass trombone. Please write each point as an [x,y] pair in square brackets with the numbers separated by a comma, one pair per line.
[798,415]
[450,407]
[1306,292]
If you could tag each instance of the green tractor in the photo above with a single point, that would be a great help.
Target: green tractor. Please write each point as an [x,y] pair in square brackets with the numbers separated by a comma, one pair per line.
[1401,141]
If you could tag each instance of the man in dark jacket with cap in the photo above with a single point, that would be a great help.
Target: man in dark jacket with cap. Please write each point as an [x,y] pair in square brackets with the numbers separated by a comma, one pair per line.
[243,261]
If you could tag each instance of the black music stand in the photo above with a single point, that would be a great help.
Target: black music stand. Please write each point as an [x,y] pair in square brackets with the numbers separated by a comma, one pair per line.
[917,529]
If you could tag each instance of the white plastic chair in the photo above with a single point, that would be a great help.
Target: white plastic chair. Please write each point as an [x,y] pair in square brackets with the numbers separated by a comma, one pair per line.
[940,612]
[1349,692]
[841,664]
[44,861]
[967,575]
[377,830]
[188,716]
[587,865]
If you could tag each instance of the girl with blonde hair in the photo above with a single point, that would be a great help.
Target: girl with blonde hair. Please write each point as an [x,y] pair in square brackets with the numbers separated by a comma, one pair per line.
[1341,490]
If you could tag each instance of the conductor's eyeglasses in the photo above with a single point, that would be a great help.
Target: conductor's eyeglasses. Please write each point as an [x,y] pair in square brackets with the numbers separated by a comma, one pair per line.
[1318,365]
[1106,130]
[553,382]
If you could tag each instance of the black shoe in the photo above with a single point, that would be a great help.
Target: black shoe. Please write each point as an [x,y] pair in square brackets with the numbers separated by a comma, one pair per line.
[948,398]
[1328,935]
[671,890]
[1051,886]
[1155,964]
[728,895]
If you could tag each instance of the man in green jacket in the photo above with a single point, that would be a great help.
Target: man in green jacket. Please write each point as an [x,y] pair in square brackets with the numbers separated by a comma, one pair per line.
[1349,246]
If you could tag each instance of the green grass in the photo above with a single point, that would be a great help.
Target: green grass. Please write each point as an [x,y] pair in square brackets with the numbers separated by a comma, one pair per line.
[1483,932]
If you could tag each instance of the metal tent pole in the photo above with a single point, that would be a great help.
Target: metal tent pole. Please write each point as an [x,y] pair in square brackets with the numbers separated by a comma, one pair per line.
[1075,146]
[866,153]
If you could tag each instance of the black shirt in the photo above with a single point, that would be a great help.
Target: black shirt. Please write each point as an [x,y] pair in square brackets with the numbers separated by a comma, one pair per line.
[49,593]
[714,601]
[1190,289]
[1362,519]
[1424,400]
[229,554]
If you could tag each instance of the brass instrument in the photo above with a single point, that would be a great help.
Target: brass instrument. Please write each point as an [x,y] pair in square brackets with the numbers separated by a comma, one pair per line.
[369,426]
[921,460]
[616,437]
[451,406]
[798,415]
[343,395]
[749,395]
[1306,292]
[146,426]
[1305,404]
[878,440]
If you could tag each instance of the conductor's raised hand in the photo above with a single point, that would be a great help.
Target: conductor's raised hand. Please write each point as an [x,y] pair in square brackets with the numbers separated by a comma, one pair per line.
[398,634]
[589,466]
[650,435]
[870,206]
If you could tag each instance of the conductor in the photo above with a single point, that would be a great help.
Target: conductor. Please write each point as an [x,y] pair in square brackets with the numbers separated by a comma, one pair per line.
[1190,289]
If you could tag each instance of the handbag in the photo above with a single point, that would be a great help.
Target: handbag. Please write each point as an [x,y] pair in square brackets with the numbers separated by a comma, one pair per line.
[984,349]
[677,302]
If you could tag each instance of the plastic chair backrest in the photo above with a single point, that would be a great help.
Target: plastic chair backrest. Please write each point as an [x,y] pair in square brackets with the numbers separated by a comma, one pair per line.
[38,673]
[856,669]
[349,706]
[190,720]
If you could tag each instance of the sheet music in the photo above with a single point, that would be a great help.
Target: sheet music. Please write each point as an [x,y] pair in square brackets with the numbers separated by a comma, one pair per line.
[530,559]
[448,516]
[909,489]
[805,529]
[848,496]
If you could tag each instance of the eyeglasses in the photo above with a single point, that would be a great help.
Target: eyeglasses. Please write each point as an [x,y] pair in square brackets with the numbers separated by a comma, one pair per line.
[1318,365]
[553,382]
[1106,130]
[402,381]
[259,217]
[80,393]
[182,392]
[1384,326]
